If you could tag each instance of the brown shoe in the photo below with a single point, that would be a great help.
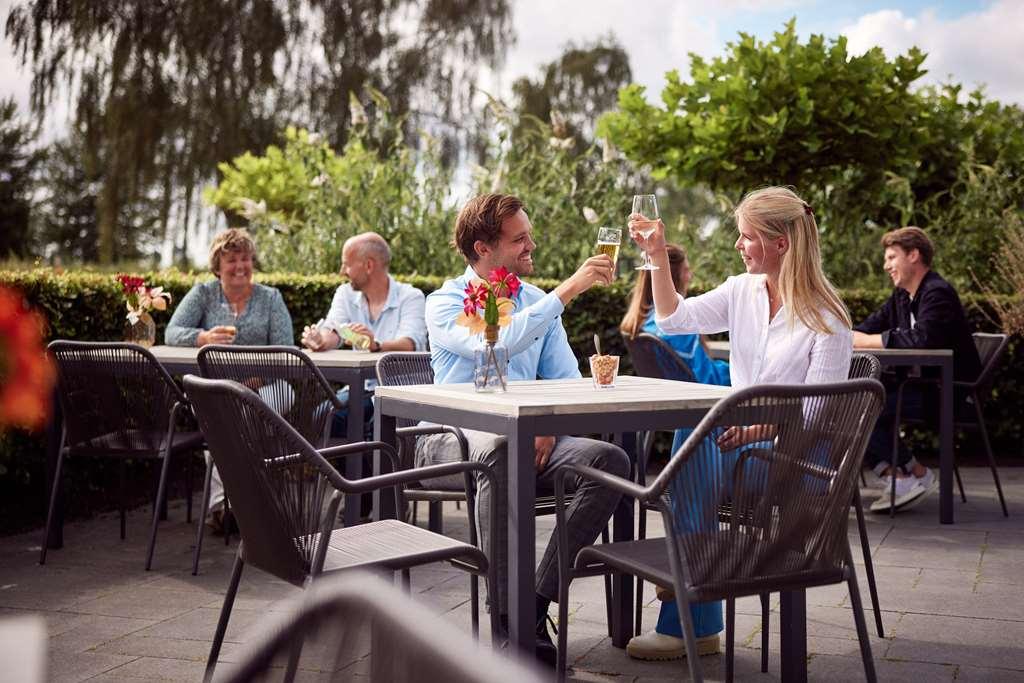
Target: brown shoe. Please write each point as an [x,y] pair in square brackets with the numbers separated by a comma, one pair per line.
[664,594]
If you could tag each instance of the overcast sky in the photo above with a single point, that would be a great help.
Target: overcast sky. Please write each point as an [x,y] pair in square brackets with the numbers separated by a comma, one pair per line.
[972,41]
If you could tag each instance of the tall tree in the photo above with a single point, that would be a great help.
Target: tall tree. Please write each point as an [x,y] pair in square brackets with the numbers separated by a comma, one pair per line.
[579,86]
[18,161]
[164,90]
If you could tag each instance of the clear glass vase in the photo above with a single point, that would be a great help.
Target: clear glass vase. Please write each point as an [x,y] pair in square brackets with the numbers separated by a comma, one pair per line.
[142,332]
[490,363]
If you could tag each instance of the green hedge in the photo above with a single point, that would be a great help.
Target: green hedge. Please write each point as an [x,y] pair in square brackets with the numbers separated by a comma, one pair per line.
[82,305]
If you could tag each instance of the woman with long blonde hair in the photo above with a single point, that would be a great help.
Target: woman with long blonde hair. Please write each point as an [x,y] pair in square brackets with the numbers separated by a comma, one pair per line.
[786,323]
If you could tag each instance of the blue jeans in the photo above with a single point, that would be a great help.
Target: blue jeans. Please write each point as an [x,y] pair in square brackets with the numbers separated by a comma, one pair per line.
[707,617]
[339,420]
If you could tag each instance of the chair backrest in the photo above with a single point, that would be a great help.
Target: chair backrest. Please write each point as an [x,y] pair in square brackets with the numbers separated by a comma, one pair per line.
[402,368]
[653,357]
[991,348]
[284,377]
[790,488]
[343,618]
[276,481]
[864,366]
[115,396]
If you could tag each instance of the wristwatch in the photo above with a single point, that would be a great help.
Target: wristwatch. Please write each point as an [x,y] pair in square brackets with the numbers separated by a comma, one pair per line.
[375,346]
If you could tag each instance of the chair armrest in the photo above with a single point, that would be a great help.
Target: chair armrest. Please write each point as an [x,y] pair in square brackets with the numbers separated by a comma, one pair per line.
[623,486]
[358,448]
[423,430]
[431,471]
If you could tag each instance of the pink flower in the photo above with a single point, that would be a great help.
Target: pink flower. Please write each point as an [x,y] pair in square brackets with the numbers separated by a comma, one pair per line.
[504,283]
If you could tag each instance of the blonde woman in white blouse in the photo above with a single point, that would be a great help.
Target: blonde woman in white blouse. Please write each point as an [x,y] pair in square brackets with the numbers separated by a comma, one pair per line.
[786,324]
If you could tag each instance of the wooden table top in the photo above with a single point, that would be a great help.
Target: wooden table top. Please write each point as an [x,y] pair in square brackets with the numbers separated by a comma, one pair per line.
[338,358]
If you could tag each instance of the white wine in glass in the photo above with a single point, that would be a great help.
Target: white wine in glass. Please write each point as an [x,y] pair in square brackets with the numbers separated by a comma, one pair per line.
[646,205]
[608,242]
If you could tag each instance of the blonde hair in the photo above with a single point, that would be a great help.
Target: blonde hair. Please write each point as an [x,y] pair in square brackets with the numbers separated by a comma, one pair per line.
[642,300]
[232,239]
[775,212]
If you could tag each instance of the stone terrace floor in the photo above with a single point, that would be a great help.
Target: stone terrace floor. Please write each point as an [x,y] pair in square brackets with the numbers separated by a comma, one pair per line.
[952,600]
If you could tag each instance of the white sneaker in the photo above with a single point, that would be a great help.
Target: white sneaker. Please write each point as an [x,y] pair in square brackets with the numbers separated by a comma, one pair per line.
[928,479]
[908,490]
[656,646]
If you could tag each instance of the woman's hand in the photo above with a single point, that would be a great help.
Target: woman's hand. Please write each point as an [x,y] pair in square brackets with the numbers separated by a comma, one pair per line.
[221,334]
[736,437]
[654,242]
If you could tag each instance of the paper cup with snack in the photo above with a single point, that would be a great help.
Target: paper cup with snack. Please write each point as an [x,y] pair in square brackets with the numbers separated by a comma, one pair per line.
[604,370]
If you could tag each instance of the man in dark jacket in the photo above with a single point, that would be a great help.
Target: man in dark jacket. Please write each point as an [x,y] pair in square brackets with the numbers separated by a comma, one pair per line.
[924,312]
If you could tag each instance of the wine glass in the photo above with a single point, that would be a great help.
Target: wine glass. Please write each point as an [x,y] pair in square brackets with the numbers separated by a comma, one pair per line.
[646,205]
[608,242]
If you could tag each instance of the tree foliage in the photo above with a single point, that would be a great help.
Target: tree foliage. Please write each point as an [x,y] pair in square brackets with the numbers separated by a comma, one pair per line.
[19,160]
[848,131]
[163,91]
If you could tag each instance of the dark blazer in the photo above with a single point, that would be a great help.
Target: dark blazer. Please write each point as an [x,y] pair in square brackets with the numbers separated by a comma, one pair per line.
[939,323]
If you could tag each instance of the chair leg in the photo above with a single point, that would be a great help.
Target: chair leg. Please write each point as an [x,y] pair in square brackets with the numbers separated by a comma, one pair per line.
[607,586]
[415,509]
[406,581]
[562,658]
[765,615]
[641,534]
[988,452]
[225,614]
[158,506]
[959,483]
[895,452]
[869,565]
[52,507]
[201,521]
[435,519]
[227,523]
[730,638]
[858,616]
[692,659]
[121,486]
[188,487]
[474,604]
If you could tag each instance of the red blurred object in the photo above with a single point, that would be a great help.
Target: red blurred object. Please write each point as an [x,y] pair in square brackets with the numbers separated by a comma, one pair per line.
[26,374]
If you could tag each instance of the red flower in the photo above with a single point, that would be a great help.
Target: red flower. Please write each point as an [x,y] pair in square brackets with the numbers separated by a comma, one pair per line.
[26,376]
[504,283]
[130,283]
[476,298]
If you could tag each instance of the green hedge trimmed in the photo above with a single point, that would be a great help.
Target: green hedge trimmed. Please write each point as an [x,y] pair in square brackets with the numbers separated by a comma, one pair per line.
[83,305]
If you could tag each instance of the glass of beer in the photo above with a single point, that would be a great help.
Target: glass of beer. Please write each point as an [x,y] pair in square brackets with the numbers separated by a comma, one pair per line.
[608,242]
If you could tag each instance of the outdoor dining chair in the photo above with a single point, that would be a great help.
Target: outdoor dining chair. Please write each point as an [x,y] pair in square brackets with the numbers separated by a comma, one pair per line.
[403,368]
[287,381]
[991,348]
[790,492]
[286,495]
[119,402]
[343,622]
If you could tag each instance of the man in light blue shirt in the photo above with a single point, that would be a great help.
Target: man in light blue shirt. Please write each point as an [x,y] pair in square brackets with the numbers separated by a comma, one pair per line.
[493,231]
[372,304]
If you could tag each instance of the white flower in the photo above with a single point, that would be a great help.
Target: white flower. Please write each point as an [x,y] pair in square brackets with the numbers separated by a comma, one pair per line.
[319,180]
[561,143]
[356,111]
[252,210]
[590,215]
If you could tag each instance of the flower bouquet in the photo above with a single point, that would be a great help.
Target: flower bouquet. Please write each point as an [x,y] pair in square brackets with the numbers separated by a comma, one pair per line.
[140,300]
[494,298]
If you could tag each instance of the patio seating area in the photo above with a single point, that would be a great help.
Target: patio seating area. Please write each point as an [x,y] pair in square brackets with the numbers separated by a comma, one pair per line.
[952,600]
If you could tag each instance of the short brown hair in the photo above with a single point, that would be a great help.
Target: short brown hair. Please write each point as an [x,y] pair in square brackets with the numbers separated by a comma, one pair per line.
[232,239]
[481,219]
[908,239]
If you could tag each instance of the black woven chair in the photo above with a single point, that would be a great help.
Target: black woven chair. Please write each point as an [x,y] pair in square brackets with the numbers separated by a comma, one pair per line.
[286,495]
[991,348]
[341,620]
[413,367]
[288,381]
[119,402]
[790,493]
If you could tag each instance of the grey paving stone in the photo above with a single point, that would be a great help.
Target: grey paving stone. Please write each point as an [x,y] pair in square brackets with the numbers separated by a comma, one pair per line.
[959,640]
[835,668]
[975,674]
[159,669]
[70,667]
